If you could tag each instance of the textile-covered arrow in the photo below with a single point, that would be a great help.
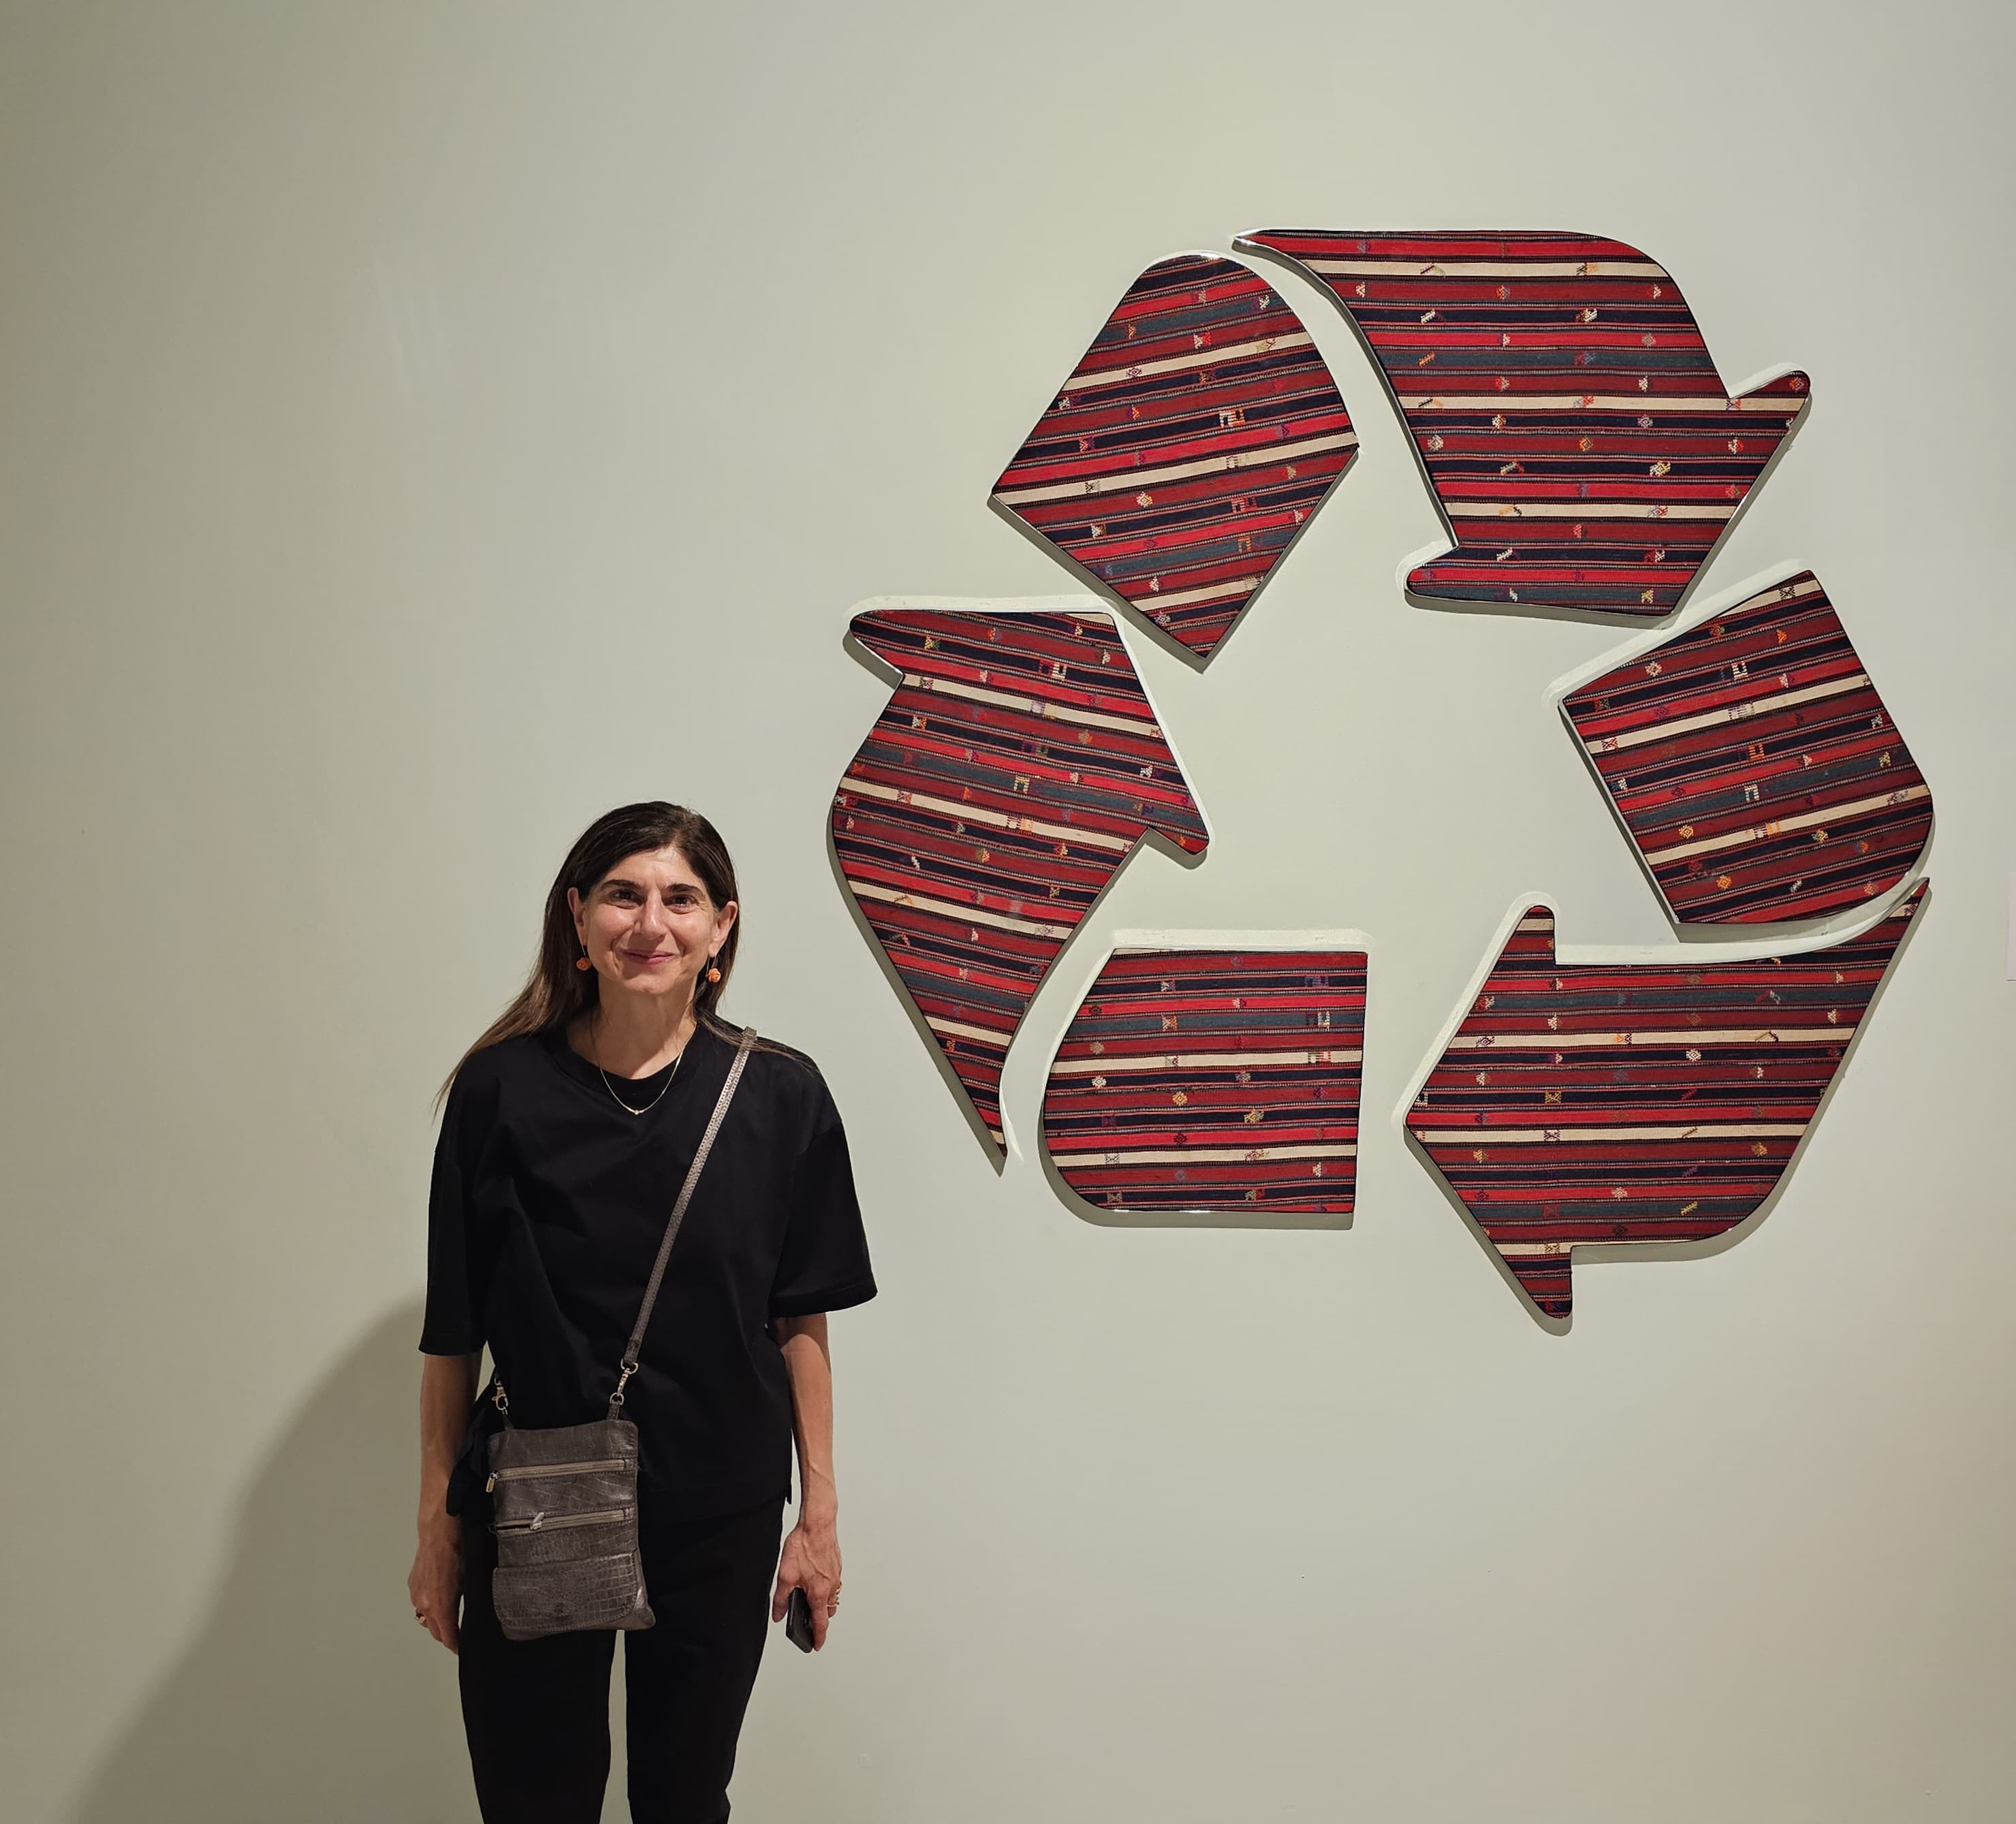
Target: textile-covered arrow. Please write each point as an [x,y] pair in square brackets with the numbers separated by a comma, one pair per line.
[1754,766]
[1633,1103]
[1011,775]
[1562,401]
[1187,449]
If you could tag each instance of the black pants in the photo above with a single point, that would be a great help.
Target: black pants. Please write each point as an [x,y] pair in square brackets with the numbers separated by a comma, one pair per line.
[536,1711]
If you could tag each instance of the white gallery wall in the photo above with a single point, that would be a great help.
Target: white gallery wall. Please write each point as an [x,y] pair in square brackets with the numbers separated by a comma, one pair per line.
[424,426]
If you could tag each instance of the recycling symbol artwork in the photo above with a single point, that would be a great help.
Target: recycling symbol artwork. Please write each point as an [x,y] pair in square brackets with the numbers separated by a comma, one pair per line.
[1587,460]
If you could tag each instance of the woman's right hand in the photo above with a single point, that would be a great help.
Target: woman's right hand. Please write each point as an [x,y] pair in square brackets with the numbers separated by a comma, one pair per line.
[448,1387]
[435,1583]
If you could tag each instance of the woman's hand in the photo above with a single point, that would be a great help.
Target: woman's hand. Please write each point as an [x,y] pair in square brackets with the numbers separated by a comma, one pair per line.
[810,1562]
[434,1584]
[447,1385]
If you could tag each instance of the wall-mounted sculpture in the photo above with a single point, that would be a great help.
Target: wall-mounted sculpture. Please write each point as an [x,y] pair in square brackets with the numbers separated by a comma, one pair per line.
[1753,765]
[1579,1104]
[1187,449]
[1012,773]
[1213,1072]
[1564,405]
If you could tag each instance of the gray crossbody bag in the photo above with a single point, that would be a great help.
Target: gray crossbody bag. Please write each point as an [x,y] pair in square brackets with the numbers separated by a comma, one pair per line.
[566,1496]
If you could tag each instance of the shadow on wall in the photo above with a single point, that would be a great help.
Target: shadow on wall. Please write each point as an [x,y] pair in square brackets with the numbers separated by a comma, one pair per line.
[312,1694]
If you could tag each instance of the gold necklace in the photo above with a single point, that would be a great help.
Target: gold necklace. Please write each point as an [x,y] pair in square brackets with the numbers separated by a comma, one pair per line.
[594,1039]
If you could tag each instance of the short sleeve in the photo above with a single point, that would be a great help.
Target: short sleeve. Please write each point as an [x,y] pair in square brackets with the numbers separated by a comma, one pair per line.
[824,1264]
[451,1326]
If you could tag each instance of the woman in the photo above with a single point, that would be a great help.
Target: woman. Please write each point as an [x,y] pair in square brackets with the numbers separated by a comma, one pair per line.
[569,1127]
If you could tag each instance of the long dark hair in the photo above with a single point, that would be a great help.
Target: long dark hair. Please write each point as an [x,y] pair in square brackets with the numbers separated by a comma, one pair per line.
[555,991]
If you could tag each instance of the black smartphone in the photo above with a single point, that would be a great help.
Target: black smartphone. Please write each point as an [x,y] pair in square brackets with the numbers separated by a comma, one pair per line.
[798,1620]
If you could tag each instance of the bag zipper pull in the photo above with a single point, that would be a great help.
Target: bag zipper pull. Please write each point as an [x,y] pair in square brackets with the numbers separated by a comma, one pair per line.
[490,1488]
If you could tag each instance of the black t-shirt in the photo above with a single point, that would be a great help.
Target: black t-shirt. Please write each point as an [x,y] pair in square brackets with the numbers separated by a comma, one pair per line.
[548,1207]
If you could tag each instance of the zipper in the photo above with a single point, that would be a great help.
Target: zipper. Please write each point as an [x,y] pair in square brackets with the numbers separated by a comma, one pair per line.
[519,1471]
[545,1523]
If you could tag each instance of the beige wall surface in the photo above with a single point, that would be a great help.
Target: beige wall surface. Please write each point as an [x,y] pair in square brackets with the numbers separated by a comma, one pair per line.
[422,427]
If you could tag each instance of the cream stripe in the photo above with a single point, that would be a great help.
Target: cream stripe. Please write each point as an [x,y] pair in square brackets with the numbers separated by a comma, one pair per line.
[1483,268]
[1461,508]
[1734,712]
[1195,1155]
[964,914]
[1643,402]
[979,814]
[959,1030]
[1809,820]
[1534,1136]
[1109,377]
[1182,598]
[1032,705]
[1119,481]
[1562,1041]
[1133,1062]
[1779,593]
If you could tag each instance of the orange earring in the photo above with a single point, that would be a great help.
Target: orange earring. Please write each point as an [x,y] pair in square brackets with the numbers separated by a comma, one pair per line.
[714,971]
[582,963]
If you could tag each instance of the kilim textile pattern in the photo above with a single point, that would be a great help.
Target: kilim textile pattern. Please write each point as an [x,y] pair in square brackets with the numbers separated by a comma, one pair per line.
[1191,443]
[1213,1080]
[1565,405]
[1621,1104]
[1015,768]
[1755,767]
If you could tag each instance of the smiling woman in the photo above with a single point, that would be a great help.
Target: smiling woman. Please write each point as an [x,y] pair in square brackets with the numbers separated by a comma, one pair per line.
[569,1128]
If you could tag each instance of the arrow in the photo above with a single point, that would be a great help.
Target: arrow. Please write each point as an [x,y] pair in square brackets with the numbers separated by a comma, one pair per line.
[1011,776]
[1187,449]
[1564,405]
[1619,1104]
[1754,766]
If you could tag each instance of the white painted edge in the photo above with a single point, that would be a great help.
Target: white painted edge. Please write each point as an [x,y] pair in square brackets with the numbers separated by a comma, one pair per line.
[1764,376]
[1079,604]
[1584,954]
[1427,553]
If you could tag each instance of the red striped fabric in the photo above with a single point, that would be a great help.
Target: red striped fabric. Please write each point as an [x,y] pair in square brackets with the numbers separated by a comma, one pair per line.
[1188,447]
[1753,765]
[1564,405]
[1010,777]
[1620,1104]
[1210,1079]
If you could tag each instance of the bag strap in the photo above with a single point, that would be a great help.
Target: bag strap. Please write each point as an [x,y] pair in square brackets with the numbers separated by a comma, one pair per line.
[629,1363]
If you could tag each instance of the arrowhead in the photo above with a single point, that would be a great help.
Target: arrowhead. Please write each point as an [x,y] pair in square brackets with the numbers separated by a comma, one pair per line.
[1754,766]
[1014,770]
[1558,1129]
[1575,407]
[886,634]
[1187,449]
